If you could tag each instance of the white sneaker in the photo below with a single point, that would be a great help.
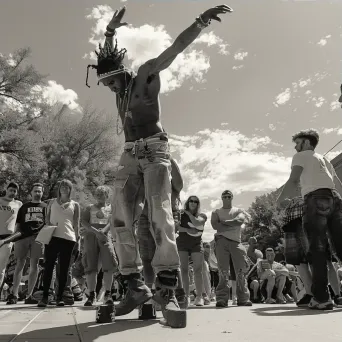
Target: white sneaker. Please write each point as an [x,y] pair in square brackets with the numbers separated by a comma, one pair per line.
[199,301]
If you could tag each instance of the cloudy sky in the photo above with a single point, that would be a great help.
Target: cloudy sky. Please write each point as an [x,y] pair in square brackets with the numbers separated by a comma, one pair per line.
[231,101]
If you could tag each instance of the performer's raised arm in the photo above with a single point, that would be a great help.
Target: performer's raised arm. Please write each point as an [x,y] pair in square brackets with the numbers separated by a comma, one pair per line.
[165,59]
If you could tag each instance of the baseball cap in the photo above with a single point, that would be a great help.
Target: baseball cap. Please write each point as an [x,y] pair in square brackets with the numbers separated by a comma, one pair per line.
[227,192]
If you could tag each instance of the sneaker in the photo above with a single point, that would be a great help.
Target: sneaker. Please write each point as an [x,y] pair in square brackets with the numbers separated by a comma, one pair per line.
[30,300]
[91,299]
[289,299]
[304,302]
[270,301]
[248,303]
[12,300]
[222,304]
[107,299]
[182,299]
[281,301]
[338,300]
[43,303]
[206,300]
[213,296]
[133,299]
[234,302]
[315,305]
[199,301]
[60,302]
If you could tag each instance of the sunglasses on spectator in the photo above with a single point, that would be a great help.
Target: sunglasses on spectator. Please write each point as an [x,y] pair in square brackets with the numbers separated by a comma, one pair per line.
[193,201]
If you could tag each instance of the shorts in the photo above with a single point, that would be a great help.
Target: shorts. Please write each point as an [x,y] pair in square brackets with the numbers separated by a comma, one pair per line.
[190,244]
[93,250]
[28,247]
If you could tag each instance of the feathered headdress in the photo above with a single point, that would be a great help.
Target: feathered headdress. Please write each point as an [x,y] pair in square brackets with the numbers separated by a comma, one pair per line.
[109,61]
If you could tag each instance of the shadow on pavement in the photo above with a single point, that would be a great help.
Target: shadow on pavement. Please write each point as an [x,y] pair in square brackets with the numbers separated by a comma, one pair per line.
[283,311]
[90,331]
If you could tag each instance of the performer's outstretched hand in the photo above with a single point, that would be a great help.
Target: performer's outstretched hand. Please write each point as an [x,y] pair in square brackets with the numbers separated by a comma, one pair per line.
[115,23]
[212,13]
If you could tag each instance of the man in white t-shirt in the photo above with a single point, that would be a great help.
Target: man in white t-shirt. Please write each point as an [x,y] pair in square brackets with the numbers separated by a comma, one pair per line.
[228,222]
[9,208]
[321,189]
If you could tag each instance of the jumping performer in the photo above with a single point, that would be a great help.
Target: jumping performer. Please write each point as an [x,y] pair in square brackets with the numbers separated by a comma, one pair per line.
[145,166]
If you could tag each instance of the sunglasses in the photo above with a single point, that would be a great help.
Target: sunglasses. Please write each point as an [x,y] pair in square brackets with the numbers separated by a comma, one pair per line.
[193,201]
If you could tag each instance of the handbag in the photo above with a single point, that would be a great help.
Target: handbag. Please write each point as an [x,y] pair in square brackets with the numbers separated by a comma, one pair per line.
[45,235]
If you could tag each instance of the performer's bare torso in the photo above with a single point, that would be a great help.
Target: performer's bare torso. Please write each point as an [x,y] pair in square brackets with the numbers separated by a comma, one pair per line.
[144,107]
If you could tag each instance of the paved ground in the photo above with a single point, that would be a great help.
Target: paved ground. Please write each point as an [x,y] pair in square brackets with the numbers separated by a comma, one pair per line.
[262,323]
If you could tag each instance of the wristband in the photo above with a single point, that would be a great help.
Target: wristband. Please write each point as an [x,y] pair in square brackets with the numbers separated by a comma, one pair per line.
[109,34]
[110,29]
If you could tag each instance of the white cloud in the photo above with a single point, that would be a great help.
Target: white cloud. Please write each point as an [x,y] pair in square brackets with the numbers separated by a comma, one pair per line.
[297,90]
[213,160]
[272,127]
[237,67]
[210,160]
[55,92]
[324,40]
[283,97]
[336,130]
[146,42]
[334,105]
[212,39]
[331,155]
[240,56]
[318,101]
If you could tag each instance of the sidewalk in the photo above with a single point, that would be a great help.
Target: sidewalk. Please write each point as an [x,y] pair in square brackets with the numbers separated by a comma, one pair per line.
[20,323]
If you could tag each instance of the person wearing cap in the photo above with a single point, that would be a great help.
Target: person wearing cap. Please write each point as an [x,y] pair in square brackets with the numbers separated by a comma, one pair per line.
[9,208]
[320,190]
[228,221]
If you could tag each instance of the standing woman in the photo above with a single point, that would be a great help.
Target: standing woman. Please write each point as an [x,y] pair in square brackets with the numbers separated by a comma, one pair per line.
[189,243]
[64,213]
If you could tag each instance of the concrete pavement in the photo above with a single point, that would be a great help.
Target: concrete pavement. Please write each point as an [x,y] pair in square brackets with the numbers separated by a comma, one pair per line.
[264,323]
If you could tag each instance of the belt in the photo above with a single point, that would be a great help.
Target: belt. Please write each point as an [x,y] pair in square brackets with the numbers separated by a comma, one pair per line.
[130,145]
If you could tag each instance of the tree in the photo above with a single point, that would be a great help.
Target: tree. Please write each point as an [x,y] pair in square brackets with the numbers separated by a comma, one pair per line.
[79,147]
[266,221]
[44,143]
[18,80]
[21,103]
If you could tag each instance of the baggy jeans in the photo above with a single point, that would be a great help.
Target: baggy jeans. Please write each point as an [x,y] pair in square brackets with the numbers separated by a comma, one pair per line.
[144,175]
[322,220]
[224,250]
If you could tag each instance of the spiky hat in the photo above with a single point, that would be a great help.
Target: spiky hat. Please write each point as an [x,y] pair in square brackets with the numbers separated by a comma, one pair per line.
[109,61]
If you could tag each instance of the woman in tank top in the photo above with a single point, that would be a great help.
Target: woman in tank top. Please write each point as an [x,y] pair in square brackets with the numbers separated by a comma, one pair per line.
[189,243]
[64,213]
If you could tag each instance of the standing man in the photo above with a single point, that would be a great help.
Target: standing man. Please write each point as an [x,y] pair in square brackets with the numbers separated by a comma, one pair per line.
[98,245]
[320,188]
[145,167]
[9,208]
[228,222]
[30,219]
